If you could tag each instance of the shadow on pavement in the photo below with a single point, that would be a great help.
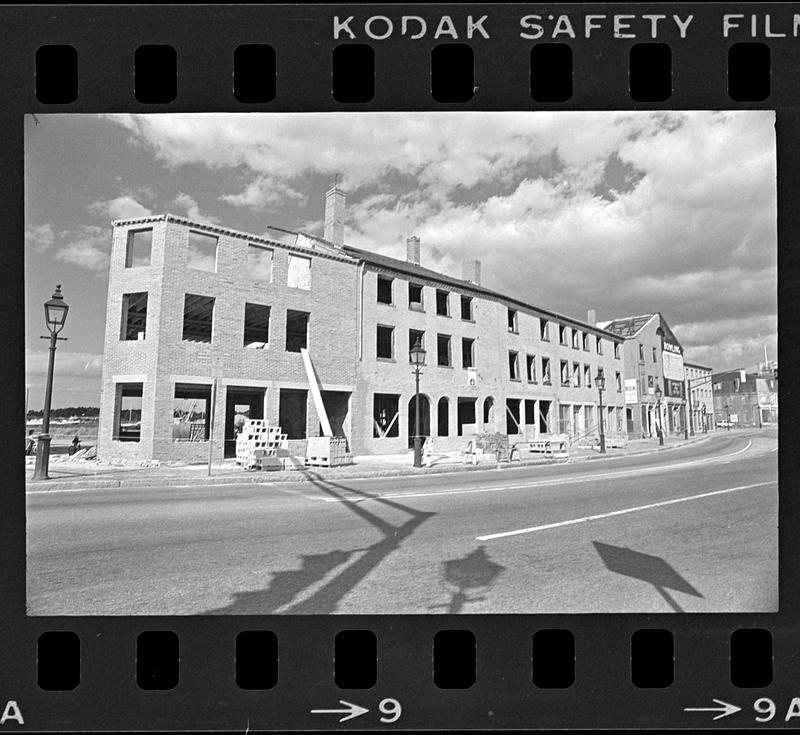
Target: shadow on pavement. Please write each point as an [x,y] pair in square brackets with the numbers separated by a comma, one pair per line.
[467,577]
[648,568]
[285,586]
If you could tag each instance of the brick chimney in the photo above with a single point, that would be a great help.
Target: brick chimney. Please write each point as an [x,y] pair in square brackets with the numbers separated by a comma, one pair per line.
[591,318]
[472,271]
[334,216]
[412,249]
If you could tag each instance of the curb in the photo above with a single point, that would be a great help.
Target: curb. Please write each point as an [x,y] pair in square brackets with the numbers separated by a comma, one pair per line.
[270,478]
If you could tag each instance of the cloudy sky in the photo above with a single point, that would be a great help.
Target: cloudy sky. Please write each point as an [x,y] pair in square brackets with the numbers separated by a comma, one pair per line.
[626,213]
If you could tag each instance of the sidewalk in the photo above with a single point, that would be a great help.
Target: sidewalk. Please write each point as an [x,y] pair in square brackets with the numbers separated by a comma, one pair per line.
[80,475]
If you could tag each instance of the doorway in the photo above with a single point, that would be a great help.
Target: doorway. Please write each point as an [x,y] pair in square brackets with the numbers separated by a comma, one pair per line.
[241,403]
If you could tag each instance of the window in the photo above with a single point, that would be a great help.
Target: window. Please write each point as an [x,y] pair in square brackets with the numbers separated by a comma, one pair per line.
[201,254]
[466,308]
[562,335]
[198,318]
[385,285]
[585,338]
[385,343]
[299,273]
[618,382]
[385,416]
[587,376]
[546,371]
[442,303]
[415,335]
[128,412]
[641,352]
[650,382]
[296,330]
[467,352]
[544,330]
[576,375]
[576,339]
[599,345]
[443,350]
[259,263]
[513,325]
[134,316]
[443,417]
[415,297]
[292,405]
[138,248]
[191,414]
[655,355]
[616,350]
[256,326]
[513,365]
[530,368]
[565,373]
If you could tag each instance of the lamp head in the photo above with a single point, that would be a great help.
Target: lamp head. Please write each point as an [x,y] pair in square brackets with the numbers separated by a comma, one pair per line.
[417,354]
[55,312]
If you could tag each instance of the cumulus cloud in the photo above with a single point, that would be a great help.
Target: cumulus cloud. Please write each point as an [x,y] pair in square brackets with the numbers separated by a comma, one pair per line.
[88,248]
[39,238]
[121,207]
[625,213]
[188,206]
[262,192]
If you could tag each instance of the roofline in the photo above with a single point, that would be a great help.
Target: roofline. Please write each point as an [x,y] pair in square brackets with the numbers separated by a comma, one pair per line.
[695,365]
[477,290]
[338,254]
[630,318]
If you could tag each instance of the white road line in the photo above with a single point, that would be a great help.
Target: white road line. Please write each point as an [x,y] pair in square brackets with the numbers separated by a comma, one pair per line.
[600,516]
[566,480]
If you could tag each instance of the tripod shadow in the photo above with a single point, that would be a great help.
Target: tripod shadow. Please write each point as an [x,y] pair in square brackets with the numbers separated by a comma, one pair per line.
[287,585]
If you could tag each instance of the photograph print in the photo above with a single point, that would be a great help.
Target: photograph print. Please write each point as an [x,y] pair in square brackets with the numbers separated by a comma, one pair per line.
[401,363]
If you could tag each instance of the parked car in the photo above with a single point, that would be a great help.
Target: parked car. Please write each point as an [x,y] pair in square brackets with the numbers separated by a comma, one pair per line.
[724,424]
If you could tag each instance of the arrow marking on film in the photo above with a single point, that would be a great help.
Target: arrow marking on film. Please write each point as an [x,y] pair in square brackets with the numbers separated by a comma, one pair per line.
[353,710]
[724,710]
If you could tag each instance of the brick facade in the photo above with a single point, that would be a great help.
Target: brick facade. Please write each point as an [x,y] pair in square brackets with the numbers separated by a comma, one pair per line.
[342,341]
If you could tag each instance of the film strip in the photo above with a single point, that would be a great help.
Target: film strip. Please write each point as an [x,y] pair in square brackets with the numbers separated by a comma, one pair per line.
[181,599]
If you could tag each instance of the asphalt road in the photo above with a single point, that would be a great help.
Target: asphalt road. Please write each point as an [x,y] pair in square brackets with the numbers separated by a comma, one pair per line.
[691,529]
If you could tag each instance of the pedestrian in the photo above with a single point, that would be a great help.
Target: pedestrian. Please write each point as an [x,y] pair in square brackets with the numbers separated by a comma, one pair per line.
[30,443]
[76,445]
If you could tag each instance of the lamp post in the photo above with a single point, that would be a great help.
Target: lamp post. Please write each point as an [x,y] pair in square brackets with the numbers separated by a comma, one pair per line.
[727,417]
[417,357]
[685,420]
[55,314]
[600,382]
[705,423]
[659,427]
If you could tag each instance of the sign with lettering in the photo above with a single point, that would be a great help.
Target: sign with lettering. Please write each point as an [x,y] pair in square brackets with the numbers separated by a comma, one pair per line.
[631,390]
[673,363]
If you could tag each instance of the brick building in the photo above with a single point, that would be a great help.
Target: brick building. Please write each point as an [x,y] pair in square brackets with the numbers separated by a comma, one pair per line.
[653,361]
[701,397]
[200,315]
[746,399]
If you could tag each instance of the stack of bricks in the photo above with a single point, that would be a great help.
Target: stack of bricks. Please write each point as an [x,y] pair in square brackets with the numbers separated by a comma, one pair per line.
[258,443]
[327,451]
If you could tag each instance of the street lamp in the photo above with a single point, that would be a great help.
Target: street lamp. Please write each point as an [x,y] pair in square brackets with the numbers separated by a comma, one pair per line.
[417,357]
[658,408]
[600,382]
[55,314]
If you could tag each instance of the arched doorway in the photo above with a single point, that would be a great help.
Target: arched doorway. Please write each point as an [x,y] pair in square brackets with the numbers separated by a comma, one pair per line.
[424,418]
[489,415]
